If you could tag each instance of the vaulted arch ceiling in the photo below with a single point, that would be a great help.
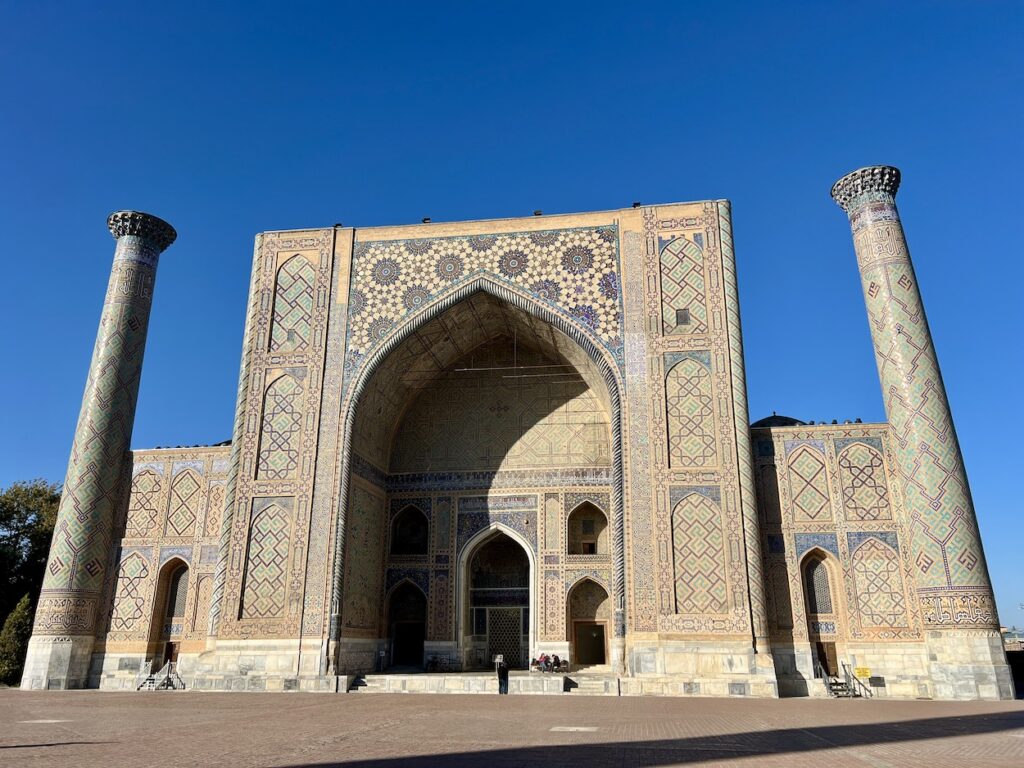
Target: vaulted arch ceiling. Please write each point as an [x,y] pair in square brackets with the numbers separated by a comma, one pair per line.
[445,344]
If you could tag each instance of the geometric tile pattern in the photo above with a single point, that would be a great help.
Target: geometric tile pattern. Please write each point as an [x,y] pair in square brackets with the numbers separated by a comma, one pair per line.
[792,537]
[186,493]
[130,603]
[93,487]
[809,484]
[822,540]
[951,578]
[682,286]
[876,571]
[293,305]
[142,510]
[264,592]
[698,548]
[688,402]
[177,536]
[865,495]
[282,429]
[573,271]
[215,509]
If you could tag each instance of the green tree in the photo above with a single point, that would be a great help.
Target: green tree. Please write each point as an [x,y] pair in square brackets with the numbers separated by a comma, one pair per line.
[28,511]
[14,641]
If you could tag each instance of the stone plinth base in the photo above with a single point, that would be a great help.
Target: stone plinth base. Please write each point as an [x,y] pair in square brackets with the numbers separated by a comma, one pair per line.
[968,665]
[693,668]
[57,663]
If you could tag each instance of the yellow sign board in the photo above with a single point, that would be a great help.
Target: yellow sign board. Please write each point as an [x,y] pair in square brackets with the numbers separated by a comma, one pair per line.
[862,671]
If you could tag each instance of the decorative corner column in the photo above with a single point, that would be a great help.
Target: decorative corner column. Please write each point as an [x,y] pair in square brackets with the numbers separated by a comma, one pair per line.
[953,588]
[69,606]
[744,451]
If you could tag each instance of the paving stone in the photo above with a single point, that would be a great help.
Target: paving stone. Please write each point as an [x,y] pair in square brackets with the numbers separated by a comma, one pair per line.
[94,729]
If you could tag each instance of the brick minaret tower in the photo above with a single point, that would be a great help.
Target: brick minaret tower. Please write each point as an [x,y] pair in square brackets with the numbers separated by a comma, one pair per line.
[953,587]
[69,605]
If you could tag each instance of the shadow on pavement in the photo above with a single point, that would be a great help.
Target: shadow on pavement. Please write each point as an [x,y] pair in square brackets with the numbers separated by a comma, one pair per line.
[706,748]
[52,744]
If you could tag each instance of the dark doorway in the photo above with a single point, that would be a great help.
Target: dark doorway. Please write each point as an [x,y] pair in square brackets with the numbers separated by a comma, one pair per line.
[499,601]
[407,620]
[171,653]
[826,653]
[589,644]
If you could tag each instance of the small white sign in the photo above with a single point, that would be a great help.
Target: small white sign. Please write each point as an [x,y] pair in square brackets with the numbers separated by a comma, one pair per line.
[574,728]
[499,657]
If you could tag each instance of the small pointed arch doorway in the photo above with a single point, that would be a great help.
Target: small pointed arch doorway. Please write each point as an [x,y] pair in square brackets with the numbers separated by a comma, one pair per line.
[588,622]
[169,610]
[823,615]
[407,625]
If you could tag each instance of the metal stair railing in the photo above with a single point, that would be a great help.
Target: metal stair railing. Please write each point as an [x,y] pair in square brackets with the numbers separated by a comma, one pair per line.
[826,678]
[145,672]
[166,679]
[856,685]
[835,686]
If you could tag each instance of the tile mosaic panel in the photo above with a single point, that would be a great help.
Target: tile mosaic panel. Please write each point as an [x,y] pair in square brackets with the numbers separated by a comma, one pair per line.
[682,285]
[263,595]
[698,550]
[574,271]
[293,305]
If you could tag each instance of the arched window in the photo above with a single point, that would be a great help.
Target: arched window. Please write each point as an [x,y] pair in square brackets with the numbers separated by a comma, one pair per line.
[410,533]
[587,531]
[177,593]
[816,587]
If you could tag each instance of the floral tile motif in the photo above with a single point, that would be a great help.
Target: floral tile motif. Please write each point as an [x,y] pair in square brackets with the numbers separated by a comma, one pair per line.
[573,271]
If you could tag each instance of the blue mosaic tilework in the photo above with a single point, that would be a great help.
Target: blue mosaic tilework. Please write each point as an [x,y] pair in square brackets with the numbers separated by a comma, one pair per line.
[826,541]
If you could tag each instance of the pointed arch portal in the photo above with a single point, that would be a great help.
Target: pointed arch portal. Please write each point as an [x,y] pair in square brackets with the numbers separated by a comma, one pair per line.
[484,383]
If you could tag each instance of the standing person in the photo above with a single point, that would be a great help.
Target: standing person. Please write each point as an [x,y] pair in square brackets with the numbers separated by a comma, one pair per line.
[502,678]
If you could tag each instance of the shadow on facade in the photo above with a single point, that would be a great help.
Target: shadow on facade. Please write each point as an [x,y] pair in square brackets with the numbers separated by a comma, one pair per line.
[796,741]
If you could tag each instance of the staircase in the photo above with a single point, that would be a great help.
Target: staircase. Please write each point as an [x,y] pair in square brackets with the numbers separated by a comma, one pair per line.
[167,679]
[592,685]
[369,684]
[846,687]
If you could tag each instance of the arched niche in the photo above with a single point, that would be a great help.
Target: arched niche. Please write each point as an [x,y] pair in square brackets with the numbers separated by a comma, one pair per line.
[821,594]
[587,530]
[410,532]
[496,577]
[589,614]
[169,609]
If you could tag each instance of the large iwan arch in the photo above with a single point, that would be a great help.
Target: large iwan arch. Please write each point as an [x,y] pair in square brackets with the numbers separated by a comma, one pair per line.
[508,341]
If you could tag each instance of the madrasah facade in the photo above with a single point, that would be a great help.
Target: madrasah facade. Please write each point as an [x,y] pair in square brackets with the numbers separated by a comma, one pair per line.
[514,437]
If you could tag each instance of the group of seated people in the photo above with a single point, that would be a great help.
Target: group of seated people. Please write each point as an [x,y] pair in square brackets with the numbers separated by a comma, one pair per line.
[545,663]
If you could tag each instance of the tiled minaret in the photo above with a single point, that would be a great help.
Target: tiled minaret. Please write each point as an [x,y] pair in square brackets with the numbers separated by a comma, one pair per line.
[953,588]
[69,605]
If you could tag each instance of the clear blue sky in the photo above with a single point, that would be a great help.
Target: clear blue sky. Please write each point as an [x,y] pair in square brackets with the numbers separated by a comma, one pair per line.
[232,120]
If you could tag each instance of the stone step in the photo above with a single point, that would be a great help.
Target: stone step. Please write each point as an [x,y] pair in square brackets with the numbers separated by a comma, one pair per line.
[592,685]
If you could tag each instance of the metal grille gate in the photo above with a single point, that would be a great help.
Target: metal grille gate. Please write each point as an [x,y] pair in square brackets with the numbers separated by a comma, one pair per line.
[504,634]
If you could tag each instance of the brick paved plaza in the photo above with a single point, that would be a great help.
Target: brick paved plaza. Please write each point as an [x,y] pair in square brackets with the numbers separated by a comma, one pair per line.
[89,728]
